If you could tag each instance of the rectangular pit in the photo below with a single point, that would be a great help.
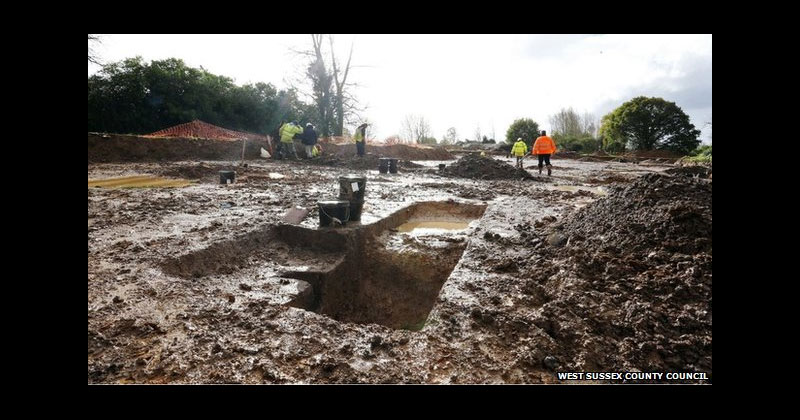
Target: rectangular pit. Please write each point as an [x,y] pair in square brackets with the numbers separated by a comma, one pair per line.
[391,277]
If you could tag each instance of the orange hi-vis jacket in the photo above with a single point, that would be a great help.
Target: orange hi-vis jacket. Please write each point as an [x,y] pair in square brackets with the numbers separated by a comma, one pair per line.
[544,146]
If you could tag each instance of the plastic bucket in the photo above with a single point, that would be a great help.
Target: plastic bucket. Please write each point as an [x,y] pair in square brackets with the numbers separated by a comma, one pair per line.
[441,167]
[329,209]
[227,177]
[383,165]
[355,210]
[352,187]
[392,166]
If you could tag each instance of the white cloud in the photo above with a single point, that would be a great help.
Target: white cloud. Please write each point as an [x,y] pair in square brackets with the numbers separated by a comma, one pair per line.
[465,80]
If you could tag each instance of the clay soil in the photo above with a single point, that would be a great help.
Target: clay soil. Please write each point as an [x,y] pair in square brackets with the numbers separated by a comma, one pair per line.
[603,267]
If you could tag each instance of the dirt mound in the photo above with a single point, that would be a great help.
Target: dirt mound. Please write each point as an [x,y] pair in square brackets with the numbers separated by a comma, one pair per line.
[130,148]
[204,130]
[697,171]
[675,211]
[483,167]
[630,278]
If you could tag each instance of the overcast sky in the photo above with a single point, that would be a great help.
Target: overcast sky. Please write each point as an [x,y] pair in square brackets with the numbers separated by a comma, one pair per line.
[464,81]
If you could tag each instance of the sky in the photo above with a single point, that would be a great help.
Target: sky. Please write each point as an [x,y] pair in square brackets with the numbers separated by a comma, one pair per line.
[468,81]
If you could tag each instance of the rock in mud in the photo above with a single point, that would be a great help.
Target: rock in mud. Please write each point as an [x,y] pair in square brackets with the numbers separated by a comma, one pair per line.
[557,239]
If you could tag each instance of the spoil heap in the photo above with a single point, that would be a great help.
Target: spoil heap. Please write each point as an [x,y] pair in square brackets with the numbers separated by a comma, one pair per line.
[483,167]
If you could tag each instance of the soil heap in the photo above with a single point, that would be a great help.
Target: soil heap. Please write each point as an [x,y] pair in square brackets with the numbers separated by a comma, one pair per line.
[627,278]
[483,167]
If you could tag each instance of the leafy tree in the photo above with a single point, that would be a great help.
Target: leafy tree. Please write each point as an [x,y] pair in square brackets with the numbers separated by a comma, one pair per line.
[526,128]
[583,144]
[649,123]
[132,96]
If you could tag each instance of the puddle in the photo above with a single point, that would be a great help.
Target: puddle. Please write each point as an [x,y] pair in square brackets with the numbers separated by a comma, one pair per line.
[144,181]
[433,227]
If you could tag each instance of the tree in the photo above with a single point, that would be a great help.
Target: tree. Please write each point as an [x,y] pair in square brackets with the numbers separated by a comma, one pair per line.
[132,96]
[415,128]
[568,123]
[478,133]
[526,128]
[573,131]
[330,89]
[321,82]
[589,124]
[450,137]
[650,123]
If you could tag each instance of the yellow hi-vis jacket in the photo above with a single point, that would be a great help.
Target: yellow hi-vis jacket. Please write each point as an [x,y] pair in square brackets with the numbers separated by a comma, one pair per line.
[288,131]
[519,149]
[359,136]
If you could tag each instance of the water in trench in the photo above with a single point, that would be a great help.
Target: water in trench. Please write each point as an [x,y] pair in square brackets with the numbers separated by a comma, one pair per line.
[393,276]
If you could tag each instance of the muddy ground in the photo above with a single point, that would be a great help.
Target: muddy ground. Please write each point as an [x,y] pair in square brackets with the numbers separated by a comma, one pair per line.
[603,267]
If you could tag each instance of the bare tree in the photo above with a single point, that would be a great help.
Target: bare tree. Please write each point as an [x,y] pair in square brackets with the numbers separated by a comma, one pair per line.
[589,124]
[93,57]
[567,122]
[321,81]
[331,91]
[478,133]
[415,128]
[451,136]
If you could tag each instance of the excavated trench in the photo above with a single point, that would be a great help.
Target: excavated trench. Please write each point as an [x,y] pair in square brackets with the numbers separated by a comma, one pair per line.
[387,273]
[391,273]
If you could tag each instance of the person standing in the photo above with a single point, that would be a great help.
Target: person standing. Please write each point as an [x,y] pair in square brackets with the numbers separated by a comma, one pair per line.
[309,139]
[361,138]
[288,131]
[519,150]
[544,147]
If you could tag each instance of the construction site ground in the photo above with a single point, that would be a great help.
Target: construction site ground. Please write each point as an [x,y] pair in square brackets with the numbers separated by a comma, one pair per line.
[603,267]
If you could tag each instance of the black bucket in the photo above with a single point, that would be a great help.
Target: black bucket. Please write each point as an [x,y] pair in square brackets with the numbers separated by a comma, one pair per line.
[441,167]
[352,187]
[383,165]
[328,209]
[392,166]
[227,177]
[355,210]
